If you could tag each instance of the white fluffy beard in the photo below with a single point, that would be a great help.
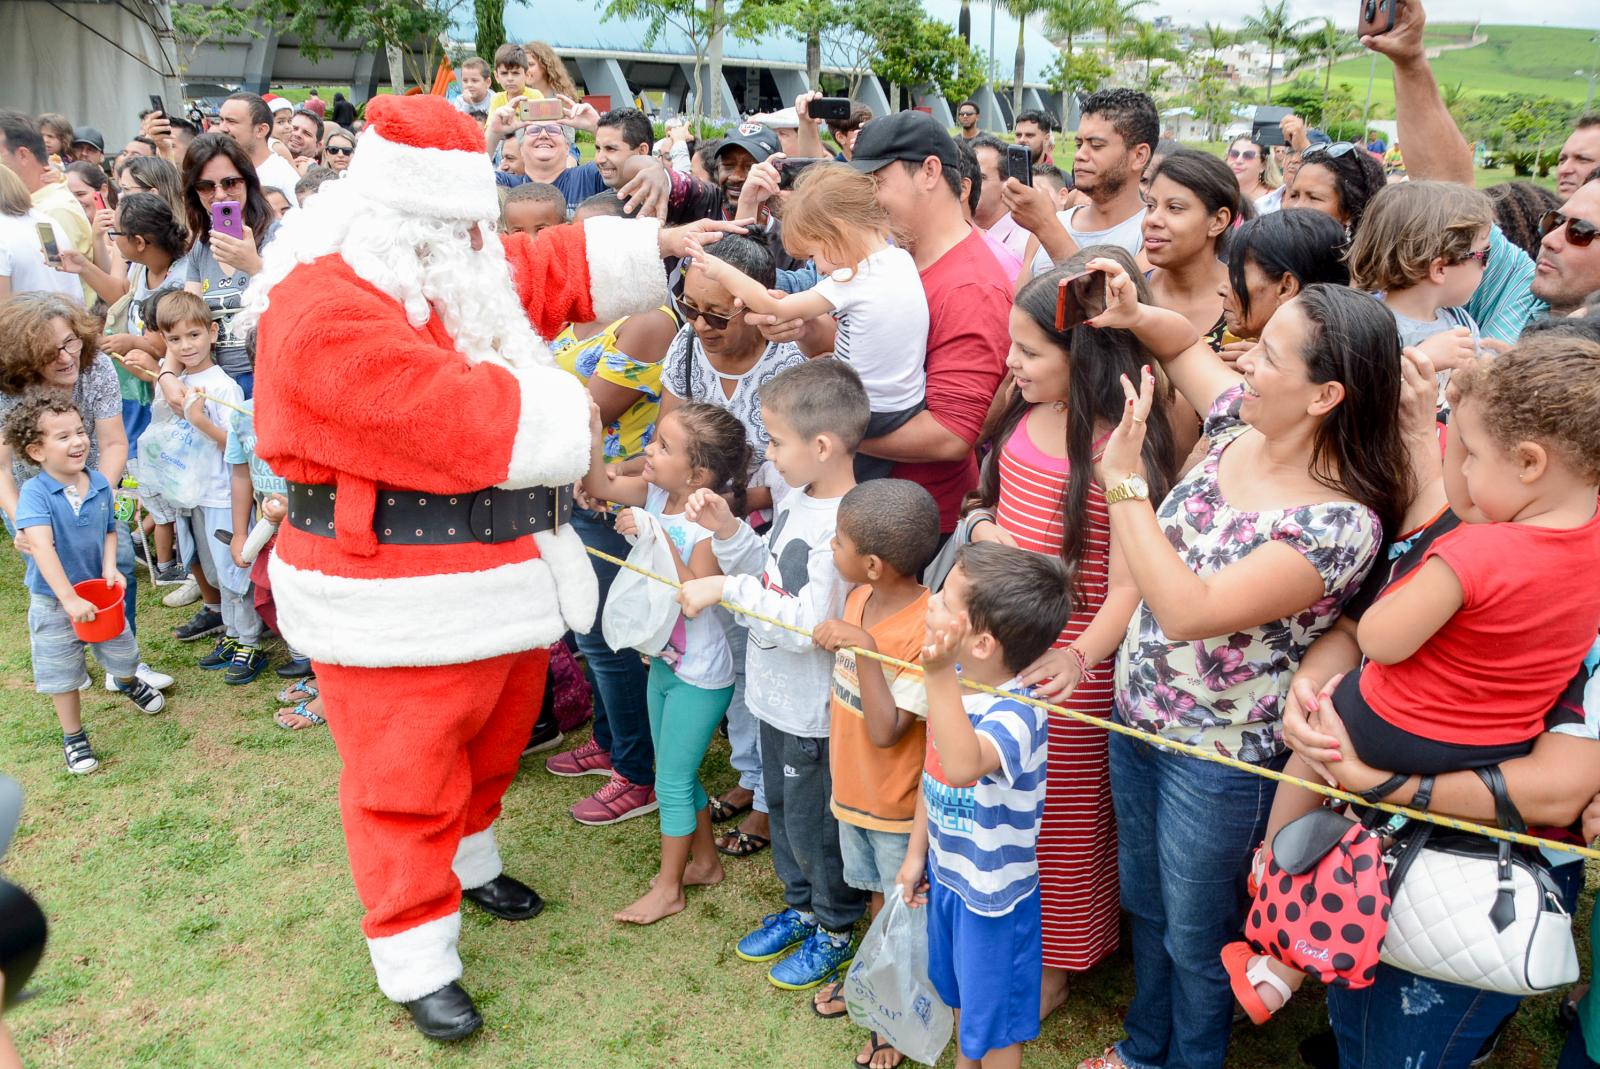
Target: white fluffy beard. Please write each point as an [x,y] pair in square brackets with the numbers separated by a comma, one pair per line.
[428,265]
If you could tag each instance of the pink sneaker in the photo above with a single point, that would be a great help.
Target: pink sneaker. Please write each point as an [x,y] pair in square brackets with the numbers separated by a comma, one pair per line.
[586,760]
[615,802]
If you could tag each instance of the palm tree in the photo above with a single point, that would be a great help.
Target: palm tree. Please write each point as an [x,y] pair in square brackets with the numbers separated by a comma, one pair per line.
[1071,18]
[1322,47]
[1116,16]
[1216,38]
[1273,26]
[1149,44]
[1020,10]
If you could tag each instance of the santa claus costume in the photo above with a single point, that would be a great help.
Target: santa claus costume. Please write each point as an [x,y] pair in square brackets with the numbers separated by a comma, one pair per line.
[425,567]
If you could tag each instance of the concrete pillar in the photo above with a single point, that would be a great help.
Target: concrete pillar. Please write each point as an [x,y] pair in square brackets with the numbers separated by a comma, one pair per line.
[872,95]
[604,77]
[927,96]
[991,116]
[259,57]
[730,107]
[1032,100]
[675,97]
[790,84]
[364,83]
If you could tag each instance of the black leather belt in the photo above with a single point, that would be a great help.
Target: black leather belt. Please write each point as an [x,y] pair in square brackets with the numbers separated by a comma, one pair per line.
[407,518]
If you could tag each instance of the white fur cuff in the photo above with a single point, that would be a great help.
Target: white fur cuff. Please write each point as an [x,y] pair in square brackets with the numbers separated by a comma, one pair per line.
[625,273]
[417,961]
[477,859]
[577,589]
[552,443]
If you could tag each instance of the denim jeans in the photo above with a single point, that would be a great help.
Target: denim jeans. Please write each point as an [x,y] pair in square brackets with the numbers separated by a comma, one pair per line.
[1412,1022]
[621,716]
[1185,833]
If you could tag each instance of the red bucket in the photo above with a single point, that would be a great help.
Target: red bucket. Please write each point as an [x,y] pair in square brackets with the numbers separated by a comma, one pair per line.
[108,612]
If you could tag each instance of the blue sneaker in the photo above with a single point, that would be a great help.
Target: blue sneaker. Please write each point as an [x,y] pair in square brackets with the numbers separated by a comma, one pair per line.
[819,959]
[778,932]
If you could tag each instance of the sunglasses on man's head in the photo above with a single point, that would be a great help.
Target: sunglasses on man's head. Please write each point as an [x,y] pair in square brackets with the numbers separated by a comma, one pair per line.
[338,150]
[692,311]
[204,186]
[1580,232]
[1242,154]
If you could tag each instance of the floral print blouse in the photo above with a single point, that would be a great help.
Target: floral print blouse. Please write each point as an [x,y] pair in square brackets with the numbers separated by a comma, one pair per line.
[1227,692]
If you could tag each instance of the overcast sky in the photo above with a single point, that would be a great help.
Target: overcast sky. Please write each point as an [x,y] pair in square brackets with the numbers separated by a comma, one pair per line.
[1343,12]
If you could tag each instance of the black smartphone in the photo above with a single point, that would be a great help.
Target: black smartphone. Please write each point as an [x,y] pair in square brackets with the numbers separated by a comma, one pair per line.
[1375,17]
[1265,130]
[830,109]
[225,537]
[789,170]
[1019,164]
[156,104]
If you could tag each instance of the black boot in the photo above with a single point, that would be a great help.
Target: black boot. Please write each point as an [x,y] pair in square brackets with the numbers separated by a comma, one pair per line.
[445,1014]
[507,898]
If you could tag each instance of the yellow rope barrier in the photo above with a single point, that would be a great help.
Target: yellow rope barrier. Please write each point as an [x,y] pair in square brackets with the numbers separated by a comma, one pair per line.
[1156,740]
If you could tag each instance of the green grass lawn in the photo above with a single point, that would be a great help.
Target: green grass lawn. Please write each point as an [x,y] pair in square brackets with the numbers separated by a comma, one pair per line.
[202,913]
[1515,59]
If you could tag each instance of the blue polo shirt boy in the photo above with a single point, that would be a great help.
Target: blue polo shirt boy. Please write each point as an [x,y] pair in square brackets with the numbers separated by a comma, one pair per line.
[79,531]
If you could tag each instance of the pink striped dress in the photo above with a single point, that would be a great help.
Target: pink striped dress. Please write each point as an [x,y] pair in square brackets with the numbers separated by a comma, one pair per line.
[1077,846]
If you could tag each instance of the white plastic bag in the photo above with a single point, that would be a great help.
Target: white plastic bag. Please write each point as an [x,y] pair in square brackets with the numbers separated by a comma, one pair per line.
[640,612]
[887,989]
[177,461]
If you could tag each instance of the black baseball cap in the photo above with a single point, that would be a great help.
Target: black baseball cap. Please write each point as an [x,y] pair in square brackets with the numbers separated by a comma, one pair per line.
[906,135]
[755,138]
[88,135]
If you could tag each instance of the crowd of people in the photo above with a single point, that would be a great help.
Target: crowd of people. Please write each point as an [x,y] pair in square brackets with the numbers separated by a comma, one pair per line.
[1270,454]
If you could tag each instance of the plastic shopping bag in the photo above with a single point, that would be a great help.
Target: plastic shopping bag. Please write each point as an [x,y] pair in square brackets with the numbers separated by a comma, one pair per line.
[641,612]
[887,989]
[178,462]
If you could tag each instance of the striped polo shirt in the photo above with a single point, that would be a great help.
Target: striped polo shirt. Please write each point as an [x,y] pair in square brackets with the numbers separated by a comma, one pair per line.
[1504,302]
[981,835]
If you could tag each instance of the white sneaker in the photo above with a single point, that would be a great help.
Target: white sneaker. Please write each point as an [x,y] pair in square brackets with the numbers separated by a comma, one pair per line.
[187,594]
[88,681]
[152,679]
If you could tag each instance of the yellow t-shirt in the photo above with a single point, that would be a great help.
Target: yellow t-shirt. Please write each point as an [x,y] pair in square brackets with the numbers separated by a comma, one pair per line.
[500,100]
[55,200]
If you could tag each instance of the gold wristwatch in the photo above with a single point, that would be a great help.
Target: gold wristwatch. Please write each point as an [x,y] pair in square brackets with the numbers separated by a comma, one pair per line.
[1132,488]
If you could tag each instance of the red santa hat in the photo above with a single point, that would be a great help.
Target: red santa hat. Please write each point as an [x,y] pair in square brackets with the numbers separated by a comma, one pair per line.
[421,156]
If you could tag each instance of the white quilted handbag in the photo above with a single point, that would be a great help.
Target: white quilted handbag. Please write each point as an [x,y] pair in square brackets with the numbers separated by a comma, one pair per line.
[1477,911]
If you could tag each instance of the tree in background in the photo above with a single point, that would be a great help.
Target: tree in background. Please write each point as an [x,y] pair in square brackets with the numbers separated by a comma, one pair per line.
[1021,10]
[1081,73]
[809,21]
[409,31]
[849,44]
[703,25]
[491,23]
[1070,19]
[1215,37]
[1149,44]
[915,50]
[1213,97]
[1273,27]
[1323,46]
[195,24]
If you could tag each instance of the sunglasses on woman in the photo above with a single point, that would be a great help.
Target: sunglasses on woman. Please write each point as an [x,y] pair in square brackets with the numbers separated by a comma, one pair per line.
[1333,151]
[1580,232]
[1242,154]
[205,186]
[692,311]
[338,150]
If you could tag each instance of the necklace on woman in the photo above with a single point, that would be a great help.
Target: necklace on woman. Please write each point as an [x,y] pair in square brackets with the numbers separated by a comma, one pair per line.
[1058,406]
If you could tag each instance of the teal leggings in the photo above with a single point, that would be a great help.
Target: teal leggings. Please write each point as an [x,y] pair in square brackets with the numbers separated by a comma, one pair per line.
[683,718]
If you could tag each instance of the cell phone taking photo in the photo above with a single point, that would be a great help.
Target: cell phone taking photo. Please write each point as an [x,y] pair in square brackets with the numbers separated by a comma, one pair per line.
[226,219]
[1019,164]
[47,241]
[829,109]
[789,170]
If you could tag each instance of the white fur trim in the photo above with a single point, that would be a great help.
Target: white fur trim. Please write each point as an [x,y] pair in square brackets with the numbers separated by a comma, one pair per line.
[417,961]
[433,182]
[552,444]
[625,275]
[577,588]
[455,618]
[477,859]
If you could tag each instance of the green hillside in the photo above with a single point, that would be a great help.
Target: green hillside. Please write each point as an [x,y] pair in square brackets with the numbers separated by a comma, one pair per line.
[1515,59]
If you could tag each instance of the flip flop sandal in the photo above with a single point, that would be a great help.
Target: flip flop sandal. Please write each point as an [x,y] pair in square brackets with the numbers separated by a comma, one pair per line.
[744,845]
[305,687]
[1243,976]
[1106,1060]
[723,811]
[877,1046]
[834,992]
[303,709]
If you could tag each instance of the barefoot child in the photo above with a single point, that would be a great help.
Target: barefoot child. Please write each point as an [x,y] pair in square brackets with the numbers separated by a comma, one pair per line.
[815,414]
[888,532]
[67,517]
[696,447]
[971,859]
[869,286]
[1465,655]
